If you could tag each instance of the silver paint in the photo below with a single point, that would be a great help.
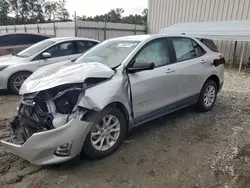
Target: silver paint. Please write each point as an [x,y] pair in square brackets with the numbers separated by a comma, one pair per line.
[149,90]
[40,147]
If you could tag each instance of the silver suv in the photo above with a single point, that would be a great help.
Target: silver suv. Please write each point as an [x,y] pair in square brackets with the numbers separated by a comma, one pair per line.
[90,104]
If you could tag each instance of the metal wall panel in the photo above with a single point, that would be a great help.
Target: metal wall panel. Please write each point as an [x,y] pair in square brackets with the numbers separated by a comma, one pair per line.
[163,13]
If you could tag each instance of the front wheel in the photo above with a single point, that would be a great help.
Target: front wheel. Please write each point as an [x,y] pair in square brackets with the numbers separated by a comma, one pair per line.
[107,133]
[17,80]
[208,96]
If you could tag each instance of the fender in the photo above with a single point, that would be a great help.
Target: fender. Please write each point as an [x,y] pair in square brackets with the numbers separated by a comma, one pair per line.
[113,90]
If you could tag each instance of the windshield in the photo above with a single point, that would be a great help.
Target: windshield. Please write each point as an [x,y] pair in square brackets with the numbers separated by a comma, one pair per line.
[110,53]
[34,49]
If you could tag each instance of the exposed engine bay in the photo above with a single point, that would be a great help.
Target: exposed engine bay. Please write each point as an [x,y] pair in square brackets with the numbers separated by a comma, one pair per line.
[48,109]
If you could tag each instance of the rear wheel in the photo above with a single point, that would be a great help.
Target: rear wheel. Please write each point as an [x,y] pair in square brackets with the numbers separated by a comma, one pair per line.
[107,133]
[208,96]
[17,80]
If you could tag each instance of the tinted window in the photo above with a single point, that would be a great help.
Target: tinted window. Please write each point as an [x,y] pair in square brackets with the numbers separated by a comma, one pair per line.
[62,49]
[83,46]
[156,52]
[186,49]
[210,44]
[20,39]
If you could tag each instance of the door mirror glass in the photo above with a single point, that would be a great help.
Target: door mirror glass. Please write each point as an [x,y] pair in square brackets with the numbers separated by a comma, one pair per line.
[141,66]
[46,55]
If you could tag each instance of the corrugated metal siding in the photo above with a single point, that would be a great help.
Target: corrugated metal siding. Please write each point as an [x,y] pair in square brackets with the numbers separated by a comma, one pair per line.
[163,13]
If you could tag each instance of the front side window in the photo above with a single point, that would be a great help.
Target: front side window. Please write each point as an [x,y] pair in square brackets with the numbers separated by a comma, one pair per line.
[62,49]
[186,49]
[156,52]
[110,53]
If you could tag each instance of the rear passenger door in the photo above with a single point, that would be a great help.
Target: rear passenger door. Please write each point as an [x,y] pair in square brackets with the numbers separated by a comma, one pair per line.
[188,66]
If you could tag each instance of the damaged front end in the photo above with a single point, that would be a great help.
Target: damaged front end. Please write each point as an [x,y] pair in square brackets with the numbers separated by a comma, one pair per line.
[46,110]
[49,126]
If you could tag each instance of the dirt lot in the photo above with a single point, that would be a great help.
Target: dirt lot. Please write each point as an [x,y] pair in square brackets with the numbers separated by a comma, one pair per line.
[184,149]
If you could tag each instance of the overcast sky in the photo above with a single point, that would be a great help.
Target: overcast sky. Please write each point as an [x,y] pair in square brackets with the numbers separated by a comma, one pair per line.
[97,7]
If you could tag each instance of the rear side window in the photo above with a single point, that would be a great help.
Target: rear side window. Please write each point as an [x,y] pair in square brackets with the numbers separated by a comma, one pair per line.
[186,49]
[210,44]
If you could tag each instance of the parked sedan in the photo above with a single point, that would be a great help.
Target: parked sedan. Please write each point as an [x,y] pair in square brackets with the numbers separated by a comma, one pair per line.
[15,69]
[13,43]
[89,105]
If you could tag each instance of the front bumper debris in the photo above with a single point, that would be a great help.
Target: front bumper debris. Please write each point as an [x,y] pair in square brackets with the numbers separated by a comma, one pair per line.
[40,148]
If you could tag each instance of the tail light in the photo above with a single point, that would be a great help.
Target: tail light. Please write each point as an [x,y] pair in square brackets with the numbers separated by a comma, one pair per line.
[222,57]
[220,61]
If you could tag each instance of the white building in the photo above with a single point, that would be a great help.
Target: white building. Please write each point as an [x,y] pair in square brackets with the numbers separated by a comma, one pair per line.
[163,13]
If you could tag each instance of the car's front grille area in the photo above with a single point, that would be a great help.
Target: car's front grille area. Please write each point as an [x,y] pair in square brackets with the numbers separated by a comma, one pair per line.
[28,99]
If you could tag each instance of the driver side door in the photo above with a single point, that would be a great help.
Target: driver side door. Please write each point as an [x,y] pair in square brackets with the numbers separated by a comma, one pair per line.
[152,90]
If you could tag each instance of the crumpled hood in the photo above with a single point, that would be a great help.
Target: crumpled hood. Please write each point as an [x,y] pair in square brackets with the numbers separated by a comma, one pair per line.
[11,59]
[64,73]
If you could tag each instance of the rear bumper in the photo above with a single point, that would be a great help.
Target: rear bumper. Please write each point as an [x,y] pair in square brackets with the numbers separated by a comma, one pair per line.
[40,148]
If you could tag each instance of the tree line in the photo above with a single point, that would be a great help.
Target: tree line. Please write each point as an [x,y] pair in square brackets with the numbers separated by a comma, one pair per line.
[32,11]
[115,16]
[43,11]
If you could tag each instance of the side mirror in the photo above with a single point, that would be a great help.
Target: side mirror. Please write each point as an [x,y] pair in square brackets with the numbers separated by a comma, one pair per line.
[141,66]
[46,55]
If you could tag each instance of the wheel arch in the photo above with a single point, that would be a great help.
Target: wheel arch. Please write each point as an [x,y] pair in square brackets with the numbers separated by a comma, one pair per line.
[123,110]
[216,79]
[25,71]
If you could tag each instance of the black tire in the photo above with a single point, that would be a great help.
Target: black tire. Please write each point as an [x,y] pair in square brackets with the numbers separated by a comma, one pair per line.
[96,117]
[201,103]
[12,79]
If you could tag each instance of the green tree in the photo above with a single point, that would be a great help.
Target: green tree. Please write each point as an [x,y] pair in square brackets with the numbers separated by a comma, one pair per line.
[24,10]
[4,11]
[62,13]
[115,15]
[145,16]
[15,7]
[51,8]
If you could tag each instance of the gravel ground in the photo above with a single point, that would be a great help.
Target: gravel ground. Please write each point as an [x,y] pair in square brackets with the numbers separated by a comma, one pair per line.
[184,149]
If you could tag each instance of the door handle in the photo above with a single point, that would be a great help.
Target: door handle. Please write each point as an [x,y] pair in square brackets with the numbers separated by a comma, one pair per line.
[170,70]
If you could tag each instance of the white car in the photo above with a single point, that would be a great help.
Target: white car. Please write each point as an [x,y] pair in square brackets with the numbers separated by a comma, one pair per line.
[14,69]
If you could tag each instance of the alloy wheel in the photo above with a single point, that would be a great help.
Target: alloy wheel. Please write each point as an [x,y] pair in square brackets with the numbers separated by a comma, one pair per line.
[18,82]
[209,95]
[105,134]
